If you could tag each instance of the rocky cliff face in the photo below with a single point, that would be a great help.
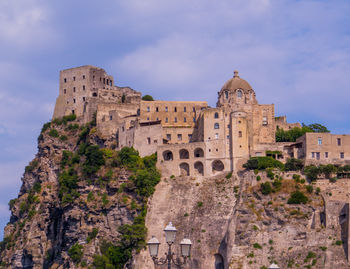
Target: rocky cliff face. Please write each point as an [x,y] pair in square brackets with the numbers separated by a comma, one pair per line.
[85,206]
[231,222]
[71,202]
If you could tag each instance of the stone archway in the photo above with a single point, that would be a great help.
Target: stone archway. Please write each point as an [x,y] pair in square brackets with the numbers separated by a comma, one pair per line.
[184,169]
[199,168]
[184,154]
[198,153]
[217,166]
[168,155]
[219,262]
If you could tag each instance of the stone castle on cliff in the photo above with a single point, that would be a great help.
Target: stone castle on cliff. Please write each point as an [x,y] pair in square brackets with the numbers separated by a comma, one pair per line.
[191,138]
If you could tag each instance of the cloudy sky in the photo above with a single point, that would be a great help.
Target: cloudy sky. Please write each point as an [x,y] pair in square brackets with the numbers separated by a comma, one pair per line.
[295,54]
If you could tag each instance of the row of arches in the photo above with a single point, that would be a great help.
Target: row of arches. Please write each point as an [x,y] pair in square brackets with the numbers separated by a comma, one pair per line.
[217,166]
[183,153]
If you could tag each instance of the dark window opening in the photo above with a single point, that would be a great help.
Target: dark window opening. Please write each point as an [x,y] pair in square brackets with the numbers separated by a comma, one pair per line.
[339,141]
[184,109]
[83,76]
[157,109]
[64,91]
[65,80]
[175,109]
[73,78]
[216,115]
[84,87]
[216,126]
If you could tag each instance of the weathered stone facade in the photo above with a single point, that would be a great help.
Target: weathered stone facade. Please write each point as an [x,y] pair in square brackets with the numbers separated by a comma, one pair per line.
[237,129]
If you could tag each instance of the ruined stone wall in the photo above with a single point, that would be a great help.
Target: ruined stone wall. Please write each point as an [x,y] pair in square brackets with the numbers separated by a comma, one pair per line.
[281,123]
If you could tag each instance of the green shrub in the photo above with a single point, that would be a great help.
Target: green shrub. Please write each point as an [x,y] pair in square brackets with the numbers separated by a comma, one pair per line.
[318,190]
[199,204]
[63,137]
[76,253]
[293,164]
[90,197]
[292,134]
[92,235]
[257,246]
[270,174]
[262,163]
[145,181]
[229,175]
[339,242]
[105,200]
[309,188]
[328,170]
[323,248]
[265,188]
[45,127]
[68,183]
[333,180]
[256,171]
[297,197]
[312,172]
[37,187]
[129,157]
[147,97]
[311,255]
[54,133]
[12,203]
[258,178]
[32,165]
[94,159]
[277,184]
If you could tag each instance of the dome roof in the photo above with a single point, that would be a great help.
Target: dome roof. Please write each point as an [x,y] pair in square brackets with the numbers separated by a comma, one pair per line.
[236,83]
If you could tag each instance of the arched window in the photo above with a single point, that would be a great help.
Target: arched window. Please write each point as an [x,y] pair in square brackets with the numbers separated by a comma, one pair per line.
[184,154]
[184,169]
[199,168]
[198,152]
[239,94]
[168,155]
[216,125]
[217,165]
[216,115]
[94,94]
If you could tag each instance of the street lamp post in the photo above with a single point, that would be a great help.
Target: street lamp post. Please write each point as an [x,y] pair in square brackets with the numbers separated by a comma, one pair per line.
[170,234]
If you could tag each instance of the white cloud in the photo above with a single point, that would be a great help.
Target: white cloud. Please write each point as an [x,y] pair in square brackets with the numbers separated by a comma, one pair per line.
[26,23]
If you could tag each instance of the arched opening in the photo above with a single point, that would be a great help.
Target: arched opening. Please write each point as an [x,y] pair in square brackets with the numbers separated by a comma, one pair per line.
[168,155]
[94,94]
[217,166]
[198,152]
[219,262]
[216,125]
[184,154]
[184,169]
[239,93]
[216,115]
[198,166]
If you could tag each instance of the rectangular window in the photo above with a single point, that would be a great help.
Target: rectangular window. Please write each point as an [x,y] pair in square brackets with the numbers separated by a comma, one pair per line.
[83,76]
[216,136]
[84,99]
[148,140]
[319,141]
[148,109]
[175,120]
[157,119]
[73,100]
[166,109]
[189,137]
[338,141]
[168,136]
[317,155]
[239,133]
[84,87]
[147,118]
[194,109]
[73,89]
[179,137]
[264,120]
[341,155]
[326,155]
[110,117]
[175,109]
[155,141]
[166,120]
[184,109]
[104,80]
[64,91]
[184,119]
[73,78]
[157,109]
[107,81]
[228,137]
[313,155]
[65,80]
